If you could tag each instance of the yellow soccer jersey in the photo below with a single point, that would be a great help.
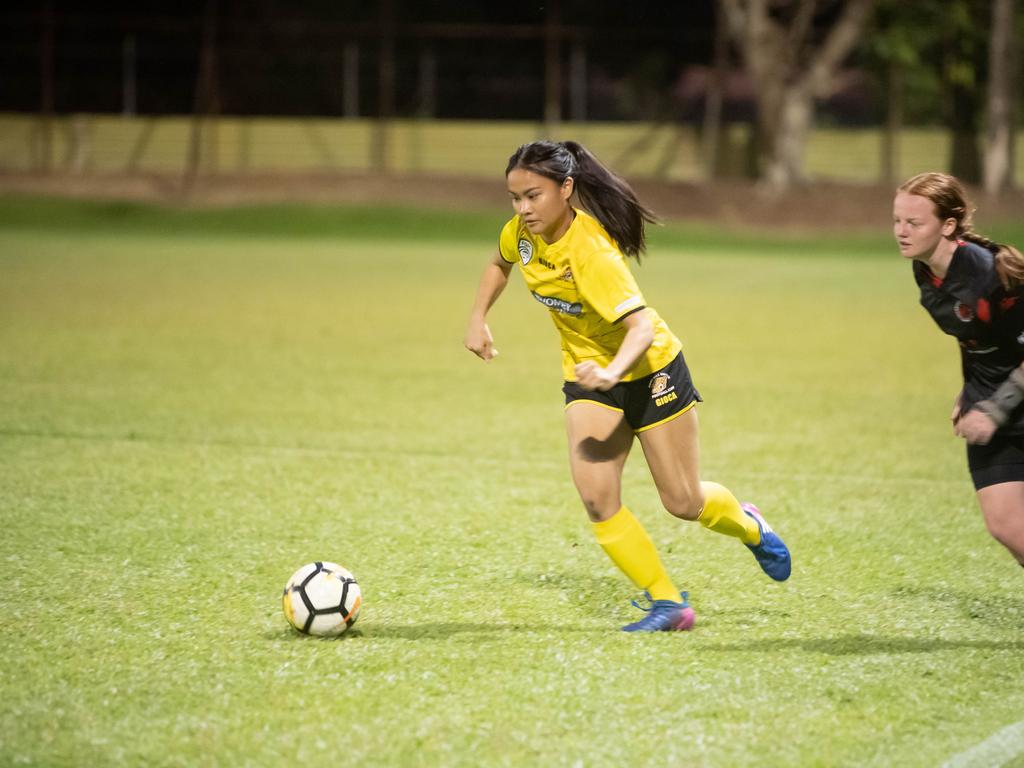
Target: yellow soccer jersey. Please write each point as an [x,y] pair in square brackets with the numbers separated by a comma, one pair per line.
[585,282]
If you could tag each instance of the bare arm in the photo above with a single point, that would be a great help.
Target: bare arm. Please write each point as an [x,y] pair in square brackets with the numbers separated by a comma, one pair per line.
[639,337]
[478,339]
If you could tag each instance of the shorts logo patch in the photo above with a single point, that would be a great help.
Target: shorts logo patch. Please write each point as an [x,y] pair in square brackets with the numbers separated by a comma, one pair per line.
[662,390]
[963,312]
[525,250]
[659,385]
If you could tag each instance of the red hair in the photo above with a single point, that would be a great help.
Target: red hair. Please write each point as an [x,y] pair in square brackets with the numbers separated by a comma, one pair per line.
[951,202]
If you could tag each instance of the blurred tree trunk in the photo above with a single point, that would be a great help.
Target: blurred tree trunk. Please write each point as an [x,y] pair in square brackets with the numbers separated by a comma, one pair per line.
[790,71]
[999,155]
[963,78]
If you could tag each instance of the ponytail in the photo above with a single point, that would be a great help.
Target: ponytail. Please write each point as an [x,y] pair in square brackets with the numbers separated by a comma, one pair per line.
[612,201]
[601,192]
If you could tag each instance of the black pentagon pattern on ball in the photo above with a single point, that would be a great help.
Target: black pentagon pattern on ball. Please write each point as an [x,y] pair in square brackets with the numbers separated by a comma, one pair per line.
[340,607]
[301,589]
[313,611]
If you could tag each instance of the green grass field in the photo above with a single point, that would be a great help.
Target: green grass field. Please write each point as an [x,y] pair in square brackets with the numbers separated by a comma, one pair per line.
[192,405]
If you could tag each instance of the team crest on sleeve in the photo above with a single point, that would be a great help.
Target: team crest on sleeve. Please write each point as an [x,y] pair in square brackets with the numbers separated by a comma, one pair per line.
[525,250]
[964,312]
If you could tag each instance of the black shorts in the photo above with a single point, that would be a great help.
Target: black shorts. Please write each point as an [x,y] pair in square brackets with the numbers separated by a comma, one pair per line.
[646,402]
[1001,461]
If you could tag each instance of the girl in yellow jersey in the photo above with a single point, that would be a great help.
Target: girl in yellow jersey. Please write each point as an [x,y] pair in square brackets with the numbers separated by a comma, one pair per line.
[624,371]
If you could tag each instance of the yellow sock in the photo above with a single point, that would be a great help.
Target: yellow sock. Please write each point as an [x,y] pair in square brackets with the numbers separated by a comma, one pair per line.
[722,514]
[631,549]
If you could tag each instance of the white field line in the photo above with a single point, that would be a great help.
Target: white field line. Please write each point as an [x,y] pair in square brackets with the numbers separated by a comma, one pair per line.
[998,749]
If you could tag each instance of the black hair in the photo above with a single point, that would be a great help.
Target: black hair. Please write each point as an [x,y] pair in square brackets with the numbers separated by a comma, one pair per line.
[600,191]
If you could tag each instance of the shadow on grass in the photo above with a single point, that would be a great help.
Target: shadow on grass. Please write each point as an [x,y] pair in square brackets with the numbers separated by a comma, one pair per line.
[594,595]
[866,645]
[449,630]
[1000,610]
[843,645]
[435,631]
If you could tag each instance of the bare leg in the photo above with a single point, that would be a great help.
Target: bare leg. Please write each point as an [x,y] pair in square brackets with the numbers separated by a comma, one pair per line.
[672,451]
[1002,506]
[599,442]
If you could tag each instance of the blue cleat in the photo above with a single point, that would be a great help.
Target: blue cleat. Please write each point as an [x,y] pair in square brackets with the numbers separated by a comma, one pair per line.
[664,616]
[772,554]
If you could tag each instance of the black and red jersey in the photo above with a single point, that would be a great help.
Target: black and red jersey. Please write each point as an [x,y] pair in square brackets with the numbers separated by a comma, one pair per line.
[971,304]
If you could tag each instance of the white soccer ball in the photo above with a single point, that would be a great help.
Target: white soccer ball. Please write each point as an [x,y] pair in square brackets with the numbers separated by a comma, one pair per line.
[322,599]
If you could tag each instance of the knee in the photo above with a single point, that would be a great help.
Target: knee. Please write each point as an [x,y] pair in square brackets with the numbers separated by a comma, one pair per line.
[1007,530]
[684,503]
[996,529]
[1003,531]
[600,507]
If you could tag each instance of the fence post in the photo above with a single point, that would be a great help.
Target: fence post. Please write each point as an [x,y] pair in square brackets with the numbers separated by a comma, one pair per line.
[46,95]
[893,125]
[578,81]
[552,67]
[128,87]
[205,96]
[350,80]
[385,87]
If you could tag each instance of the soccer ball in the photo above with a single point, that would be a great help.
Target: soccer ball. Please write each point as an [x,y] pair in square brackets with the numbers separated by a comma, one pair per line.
[321,599]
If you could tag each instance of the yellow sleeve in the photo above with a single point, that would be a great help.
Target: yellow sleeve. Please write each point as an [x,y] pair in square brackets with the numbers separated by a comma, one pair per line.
[507,245]
[605,283]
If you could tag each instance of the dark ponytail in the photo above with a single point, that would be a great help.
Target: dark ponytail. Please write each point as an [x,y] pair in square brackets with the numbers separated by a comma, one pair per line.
[601,192]
[951,202]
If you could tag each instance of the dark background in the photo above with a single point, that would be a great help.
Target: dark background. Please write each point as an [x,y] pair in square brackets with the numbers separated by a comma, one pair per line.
[644,58]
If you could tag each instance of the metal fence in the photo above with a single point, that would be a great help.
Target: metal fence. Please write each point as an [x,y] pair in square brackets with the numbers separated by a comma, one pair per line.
[107,144]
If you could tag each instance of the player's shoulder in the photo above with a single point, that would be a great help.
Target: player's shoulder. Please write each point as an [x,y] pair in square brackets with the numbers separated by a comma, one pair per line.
[514,239]
[588,230]
[512,228]
[591,243]
[975,265]
[976,256]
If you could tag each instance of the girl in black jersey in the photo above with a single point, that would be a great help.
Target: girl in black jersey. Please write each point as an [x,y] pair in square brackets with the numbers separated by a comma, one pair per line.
[971,287]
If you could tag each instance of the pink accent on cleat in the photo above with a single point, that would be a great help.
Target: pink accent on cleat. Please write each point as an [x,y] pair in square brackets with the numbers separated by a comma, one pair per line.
[686,620]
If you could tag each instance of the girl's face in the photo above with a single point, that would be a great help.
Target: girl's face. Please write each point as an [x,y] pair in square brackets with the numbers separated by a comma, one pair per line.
[917,228]
[541,203]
